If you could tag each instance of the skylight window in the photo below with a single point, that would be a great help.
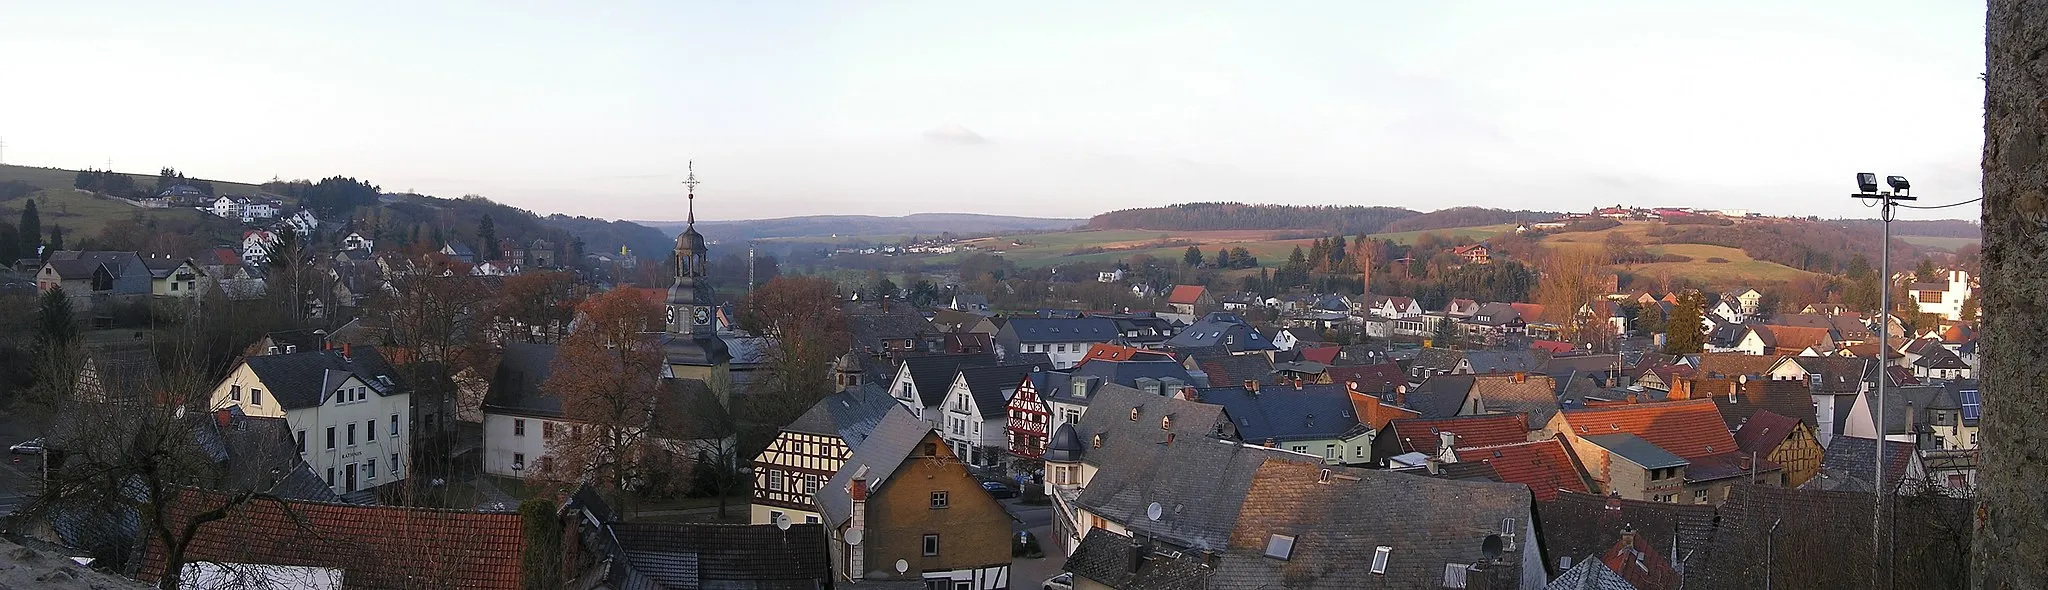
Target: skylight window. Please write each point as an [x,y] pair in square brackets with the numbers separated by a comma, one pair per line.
[1279,546]
[1379,559]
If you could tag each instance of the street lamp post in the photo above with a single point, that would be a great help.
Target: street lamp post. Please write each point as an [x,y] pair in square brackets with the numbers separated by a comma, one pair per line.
[1866,185]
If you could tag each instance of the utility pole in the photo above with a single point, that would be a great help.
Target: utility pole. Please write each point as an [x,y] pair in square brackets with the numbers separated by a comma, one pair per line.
[750,267]
[1866,184]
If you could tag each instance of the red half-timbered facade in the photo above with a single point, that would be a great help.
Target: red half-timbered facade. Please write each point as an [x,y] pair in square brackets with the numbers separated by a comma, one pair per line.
[788,474]
[1029,423]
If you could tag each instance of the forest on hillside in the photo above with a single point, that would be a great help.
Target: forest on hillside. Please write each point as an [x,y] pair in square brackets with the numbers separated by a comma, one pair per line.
[1465,217]
[1227,216]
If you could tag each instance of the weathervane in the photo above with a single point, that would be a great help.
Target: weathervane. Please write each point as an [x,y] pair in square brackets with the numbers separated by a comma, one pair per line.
[691,183]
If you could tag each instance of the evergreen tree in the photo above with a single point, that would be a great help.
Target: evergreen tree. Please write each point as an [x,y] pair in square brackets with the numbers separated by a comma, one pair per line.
[1337,247]
[487,234]
[1685,333]
[56,325]
[1222,258]
[10,243]
[31,229]
[1446,334]
[56,240]
[1925,273]
[1193,257]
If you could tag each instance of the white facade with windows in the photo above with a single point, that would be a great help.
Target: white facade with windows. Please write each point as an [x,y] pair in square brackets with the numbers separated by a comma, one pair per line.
[355,435]
[516,446]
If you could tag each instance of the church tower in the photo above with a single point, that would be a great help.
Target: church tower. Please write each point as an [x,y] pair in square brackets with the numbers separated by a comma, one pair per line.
[692,335]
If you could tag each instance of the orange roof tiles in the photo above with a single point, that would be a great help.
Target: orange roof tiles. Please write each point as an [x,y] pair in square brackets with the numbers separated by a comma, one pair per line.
[1420,434]
[1186,294]
[1545,466]
[1689,429]
[1735,363]
[1792,339]
[374,546]
[1112,352]
[1376,414]
[1321,354]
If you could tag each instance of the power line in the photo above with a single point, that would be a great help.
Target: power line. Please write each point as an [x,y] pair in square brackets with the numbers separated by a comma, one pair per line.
[1939,206]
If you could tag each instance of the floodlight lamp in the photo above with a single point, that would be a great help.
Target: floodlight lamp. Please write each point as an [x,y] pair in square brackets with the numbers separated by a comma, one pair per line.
[1866,182]
[1898,183]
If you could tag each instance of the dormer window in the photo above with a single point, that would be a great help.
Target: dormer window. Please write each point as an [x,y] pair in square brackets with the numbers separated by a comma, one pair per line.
[1134,414]
[1166,422]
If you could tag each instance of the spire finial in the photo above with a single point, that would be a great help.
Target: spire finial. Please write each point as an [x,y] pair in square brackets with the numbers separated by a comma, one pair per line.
[691,183]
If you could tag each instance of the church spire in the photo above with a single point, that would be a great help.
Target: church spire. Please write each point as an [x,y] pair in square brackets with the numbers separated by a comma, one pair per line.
[691,184]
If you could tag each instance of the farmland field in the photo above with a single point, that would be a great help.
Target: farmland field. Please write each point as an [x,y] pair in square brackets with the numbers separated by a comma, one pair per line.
[1939,243]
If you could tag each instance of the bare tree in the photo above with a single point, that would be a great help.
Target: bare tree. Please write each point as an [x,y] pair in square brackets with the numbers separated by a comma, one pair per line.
[802,315]
[608,376]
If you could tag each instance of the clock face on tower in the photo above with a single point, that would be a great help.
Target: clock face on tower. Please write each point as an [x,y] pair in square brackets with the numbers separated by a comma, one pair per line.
[701,315]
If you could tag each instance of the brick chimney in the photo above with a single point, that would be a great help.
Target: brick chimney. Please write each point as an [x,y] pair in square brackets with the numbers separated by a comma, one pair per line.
[856,555]
[1252,386]
[1521,377]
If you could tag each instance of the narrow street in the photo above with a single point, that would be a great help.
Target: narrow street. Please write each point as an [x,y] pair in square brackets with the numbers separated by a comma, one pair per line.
[17,472]
[1029,574]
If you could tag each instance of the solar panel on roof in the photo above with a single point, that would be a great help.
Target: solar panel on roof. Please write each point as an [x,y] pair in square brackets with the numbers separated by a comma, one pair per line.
[1972,404]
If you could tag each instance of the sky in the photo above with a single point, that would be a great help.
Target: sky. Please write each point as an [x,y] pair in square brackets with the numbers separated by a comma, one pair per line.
[1058,109]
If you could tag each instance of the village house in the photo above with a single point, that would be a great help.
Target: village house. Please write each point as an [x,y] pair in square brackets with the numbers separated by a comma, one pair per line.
[1675,452]
[1944,297]
[921,383]
[1317,420]
[976,409]
[94,277]
[1221,330]
[808,451]
[521,420]
[1834,384]
[1065,340]
[1191,300]
[904,507]
[346,408]
[1786,441]
[1144,329]
[173,277]
[1474,254]
[1409,442]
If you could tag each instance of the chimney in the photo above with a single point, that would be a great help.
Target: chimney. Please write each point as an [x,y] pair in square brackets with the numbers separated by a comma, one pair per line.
[1252,386]
[1614,501]
[1521,377]
[1297,383]
[1401,396]
[347,351]
[221,418]
[857,517]
[1444,441]
[1628,538]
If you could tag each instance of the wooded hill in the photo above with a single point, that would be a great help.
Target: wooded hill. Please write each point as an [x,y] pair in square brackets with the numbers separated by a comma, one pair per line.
[1332,219]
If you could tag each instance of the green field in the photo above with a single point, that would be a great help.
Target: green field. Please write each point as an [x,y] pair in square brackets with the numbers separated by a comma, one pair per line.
[1474,233]
[1939,243]
[82,214]
[58,178]
[1739,267]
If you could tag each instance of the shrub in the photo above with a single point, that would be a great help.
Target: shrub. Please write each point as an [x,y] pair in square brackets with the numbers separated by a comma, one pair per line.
[1676,258]
[1589,224]
[1717,260]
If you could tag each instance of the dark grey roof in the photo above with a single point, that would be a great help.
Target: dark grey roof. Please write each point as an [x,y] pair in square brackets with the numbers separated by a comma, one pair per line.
[684,556]
[1938,357]
[1636,450]
[992,386]
[1109,559]
[1919,398]
[933,375]
[850,415]
[1128,374]
[258,454]
[461,249]
[1577,525]
[1199,480]
[1282,414]
[1037,330]
[875,460]
[1441,360]
[1589,573]
[1235,369]
[516,387]
[1221,328]
[1837,374]
[1436,522]
[1066,445]
[870,327]
[685,349]
[1534,395]
[304,379]
[1441,396]
[1506,361]
[1848,460]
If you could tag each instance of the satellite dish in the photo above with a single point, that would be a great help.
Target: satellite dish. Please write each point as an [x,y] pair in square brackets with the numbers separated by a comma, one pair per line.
[780,520]
[1491,547]
[1154,511]
[902,566]
[854,535]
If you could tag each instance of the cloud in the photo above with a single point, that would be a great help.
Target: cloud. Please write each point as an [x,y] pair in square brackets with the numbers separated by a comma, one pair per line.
[955,133]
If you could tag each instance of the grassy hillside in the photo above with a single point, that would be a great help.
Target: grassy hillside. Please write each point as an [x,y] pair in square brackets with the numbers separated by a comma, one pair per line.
[846,226]
[1738,268]
[1938,243]
[83,214]
[58,178]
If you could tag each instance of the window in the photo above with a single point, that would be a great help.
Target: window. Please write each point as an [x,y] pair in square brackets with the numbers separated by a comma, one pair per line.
[810,519]
[371,466]
[519,461]
[811,484]
[351,434]
[255,396]
[1330,452]
[1667,498]
[940,500]
[775,480]
[394,465]
[774,515]
[301,436]
[518,427]
[931,545]
[1958,481]
[235,392]
[394,423]
[370,432]
[330,476]
[1279,547]
[330,439]
[174,286]
[1699,496]
[1300,449]
[547,430]
[1379,559]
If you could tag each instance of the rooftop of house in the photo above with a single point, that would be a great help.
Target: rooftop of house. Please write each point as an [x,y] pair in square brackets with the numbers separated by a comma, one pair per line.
[991,386]
[1580,524]
[702,555]
[1186,294]
[872,326]
[1687,429]
[1763,432]
[1532,395]
[1731,364]
[1837,374]
[1224,329]
[1440,396]
[1546,466]
[875,461]
[1287,533]
[1102,351]
[1636,450]
[304,379]
[374,546]
[1236,368]
[1043,330]
[1421,435]
[932,375]
[1380,378]
[850,414]
[1199,479]
[1443,360]
[1117,561]
[1507,361]
[516,387]
[1282,414]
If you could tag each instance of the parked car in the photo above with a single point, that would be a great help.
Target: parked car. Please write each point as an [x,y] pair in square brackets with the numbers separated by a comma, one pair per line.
[1063,581]
[35,447]
[999,489]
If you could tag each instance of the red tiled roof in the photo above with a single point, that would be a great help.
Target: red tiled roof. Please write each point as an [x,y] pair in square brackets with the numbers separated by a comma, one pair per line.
[1372,412]
[1792,339]
[1419,434]
[1552,346]
[1113,352]
[1688,429]
[1320,354]
[1186,294]
[374,546]
[1654,571]
[1545,466]
[1529,311]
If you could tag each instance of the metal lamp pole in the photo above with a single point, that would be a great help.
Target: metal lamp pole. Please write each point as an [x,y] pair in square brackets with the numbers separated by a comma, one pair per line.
[1901,191]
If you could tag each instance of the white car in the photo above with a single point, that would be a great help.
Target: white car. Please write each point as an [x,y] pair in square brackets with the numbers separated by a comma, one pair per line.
[33,447]
[1063,581]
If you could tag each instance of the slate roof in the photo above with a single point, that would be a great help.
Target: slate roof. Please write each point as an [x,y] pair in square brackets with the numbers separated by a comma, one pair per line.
[1419,435]
[1688,429]
[258,454]
[1937,357]
[1441,396]
[1919,398]
[1533,395]
[1106,558]
[1588,574]
[1932,536]
[1380,378]
[1127,373]
[1732,364]
[1439,522]
[1440,360]
[375,546]
[1236,369]
[876,459]
[1283,414]
[933,375]
[1636,450]
[1506,361]
[871,326]
[1199,480]
[1579,524]
[1546,466]
[1846,464]
[1046,330]
[304,379]
[516,386]
[1837,374]
[1221,328]
[1791,399]
[688,556]
[850,414]
[992,386]
[1763,432]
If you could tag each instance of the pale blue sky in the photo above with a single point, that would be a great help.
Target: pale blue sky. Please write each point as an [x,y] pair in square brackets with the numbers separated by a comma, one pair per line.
[1039,108]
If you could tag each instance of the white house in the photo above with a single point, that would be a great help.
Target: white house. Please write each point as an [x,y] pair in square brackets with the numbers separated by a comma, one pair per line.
[1110,276]
[256,245]
[973,418]
[303,222]
[346,408]
[356,241]
[1394,308]
[226,206]
[1944,297]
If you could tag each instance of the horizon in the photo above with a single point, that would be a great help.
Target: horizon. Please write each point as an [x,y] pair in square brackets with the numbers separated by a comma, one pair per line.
[825,109]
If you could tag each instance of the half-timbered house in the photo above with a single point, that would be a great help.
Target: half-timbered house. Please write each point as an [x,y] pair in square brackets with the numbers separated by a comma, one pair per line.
[806,453]
[1031,415]
[974,414]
